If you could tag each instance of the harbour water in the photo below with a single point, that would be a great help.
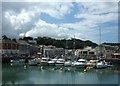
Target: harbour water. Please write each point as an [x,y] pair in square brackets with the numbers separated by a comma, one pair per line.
[17,74]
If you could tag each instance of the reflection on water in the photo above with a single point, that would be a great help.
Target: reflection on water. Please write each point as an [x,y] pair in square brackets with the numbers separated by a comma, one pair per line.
[57,75]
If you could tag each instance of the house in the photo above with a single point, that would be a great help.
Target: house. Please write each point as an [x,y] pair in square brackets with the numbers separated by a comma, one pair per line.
[87,52]
[105,51]
[9,47]
[26,48]
[23,47]
[52,51]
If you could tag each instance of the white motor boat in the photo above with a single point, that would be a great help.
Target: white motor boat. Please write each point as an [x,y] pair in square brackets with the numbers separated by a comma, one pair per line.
[44,61]
[60,62]
[80,63]
[68,63]
[34,62]
[102,64]
[52,62]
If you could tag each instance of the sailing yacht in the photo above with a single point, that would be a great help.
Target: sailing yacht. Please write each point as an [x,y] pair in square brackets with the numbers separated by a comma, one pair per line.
[101,63]
[68,61]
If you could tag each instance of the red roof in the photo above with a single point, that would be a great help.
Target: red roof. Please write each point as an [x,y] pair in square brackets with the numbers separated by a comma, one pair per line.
[116,54]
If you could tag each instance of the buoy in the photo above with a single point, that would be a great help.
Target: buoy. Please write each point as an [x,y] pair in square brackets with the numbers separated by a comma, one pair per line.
[61,68]
[41,67]
[68,69]
[85,70]
[25,66]
[11,64]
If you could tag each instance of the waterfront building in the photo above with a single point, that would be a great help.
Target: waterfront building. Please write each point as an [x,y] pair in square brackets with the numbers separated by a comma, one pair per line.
[26,48]
[52,51]
[48,51]
[33,49]
[87,52]
[9,47]
[105,51]
[116,54]
[23,47]
[59,52]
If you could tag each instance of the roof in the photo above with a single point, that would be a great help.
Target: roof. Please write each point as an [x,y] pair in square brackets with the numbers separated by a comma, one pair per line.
[108,47]
[8,41]
[22,42]
[116,54]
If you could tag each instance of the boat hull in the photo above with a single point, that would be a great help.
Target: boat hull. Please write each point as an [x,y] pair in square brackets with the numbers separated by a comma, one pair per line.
[68,64]
[101,66]
[44,64]
[79,64]
[51,64]
[59,64]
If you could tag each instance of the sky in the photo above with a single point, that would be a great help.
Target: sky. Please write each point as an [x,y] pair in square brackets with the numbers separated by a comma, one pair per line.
[61,20]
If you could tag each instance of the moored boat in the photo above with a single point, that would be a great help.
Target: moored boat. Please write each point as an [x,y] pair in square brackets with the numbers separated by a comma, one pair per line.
[17,62]
[102,64]
[60,62]
[44,61]
[34,62]
[91,63]
[52,62]
[68,63]
[80,63]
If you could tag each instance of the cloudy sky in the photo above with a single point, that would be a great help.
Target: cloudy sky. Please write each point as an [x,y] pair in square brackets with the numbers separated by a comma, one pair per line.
[61,20]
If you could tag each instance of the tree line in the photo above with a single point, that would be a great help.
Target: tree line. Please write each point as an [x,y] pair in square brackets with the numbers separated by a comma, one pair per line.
[60,43]
[112,44]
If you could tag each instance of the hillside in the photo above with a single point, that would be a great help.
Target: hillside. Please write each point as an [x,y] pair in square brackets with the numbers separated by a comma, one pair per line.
[63,43]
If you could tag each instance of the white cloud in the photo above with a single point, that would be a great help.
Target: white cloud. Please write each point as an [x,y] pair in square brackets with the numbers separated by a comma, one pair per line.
[94,15]
[54,9]
[27,21]
[22,34]
[26,15]
[43,28]
[18,19]
[60,1]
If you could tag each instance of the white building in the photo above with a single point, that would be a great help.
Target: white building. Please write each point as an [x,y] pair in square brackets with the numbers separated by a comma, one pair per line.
[52,51]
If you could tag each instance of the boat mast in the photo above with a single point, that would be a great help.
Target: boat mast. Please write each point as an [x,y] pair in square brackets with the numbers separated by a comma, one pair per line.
[100,49]
[66,47]
[99,35]
[74,45]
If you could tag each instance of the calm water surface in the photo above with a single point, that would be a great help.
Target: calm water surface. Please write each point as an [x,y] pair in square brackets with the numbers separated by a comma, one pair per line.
[17,74]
